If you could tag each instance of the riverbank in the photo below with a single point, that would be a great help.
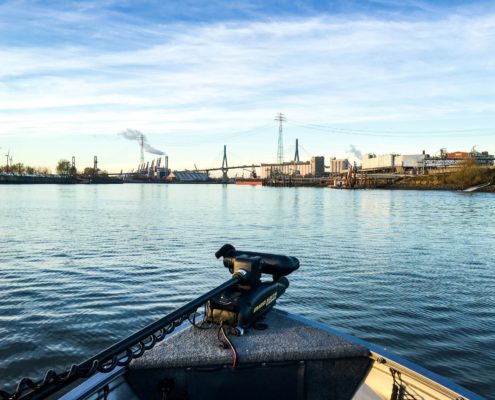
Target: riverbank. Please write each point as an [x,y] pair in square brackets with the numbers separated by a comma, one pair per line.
[33,179]
[446,187]
[14,179]
[460,179]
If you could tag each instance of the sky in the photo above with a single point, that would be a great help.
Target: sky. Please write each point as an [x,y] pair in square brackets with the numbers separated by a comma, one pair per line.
[350,76]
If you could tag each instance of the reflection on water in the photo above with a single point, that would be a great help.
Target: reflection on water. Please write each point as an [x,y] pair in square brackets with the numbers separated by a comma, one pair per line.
[83,266]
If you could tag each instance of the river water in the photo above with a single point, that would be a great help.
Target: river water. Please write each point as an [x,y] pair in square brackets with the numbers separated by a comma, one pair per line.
[85,265]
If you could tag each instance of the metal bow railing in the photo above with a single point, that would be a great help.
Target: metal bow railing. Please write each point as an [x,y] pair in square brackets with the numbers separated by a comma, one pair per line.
[119,354]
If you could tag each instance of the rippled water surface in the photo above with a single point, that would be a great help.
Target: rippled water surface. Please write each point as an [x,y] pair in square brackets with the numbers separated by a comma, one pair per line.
[83,266]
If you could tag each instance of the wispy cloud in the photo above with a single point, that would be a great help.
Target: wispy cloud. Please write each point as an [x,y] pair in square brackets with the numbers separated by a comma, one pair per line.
[212,77]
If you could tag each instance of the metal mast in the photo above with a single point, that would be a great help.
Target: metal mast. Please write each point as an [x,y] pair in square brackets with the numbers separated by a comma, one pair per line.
[7,156]
[296,155]
[141,142]
[225,166]
[95,166]
[280,153]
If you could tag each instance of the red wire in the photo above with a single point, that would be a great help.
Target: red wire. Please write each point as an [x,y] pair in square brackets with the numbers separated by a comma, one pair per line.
[234,364]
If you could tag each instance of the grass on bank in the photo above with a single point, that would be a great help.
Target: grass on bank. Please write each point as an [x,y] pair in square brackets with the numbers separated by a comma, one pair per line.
[470,174]
[467,175]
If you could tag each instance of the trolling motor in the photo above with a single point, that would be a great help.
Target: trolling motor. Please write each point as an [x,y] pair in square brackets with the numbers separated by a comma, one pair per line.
[242,305]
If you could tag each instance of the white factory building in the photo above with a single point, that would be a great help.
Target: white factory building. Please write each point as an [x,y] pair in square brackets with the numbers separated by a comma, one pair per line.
[389,162]
[415,162]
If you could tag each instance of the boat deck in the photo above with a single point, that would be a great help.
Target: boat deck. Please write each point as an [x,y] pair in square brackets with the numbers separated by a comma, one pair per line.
[293,359]
[285,339]
[289,360]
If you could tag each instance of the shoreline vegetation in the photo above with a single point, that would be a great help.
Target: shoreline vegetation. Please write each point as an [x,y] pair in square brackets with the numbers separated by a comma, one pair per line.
[468,175]
[66,173]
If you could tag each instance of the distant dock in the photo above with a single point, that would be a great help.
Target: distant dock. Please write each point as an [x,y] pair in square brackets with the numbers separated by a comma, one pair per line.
[13,179]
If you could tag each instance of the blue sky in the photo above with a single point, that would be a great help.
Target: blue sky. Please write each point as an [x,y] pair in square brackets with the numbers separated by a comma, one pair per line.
[383,76]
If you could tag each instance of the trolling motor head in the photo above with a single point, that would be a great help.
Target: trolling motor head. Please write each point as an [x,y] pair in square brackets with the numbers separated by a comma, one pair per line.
[252,298]
[272,264]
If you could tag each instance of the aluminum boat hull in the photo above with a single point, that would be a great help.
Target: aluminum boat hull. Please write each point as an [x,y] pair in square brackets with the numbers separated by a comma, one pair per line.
[294,358]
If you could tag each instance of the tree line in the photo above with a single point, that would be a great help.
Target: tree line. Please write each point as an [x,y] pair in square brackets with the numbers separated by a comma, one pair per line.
[21,169]
[64,168]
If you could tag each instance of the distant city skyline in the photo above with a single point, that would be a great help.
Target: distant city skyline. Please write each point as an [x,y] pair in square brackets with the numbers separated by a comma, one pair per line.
[382,76]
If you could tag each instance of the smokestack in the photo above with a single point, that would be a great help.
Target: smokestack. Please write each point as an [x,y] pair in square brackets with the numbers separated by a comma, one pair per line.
[141,142]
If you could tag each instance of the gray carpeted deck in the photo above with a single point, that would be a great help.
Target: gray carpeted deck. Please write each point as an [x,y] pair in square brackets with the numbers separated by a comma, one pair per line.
[285,340]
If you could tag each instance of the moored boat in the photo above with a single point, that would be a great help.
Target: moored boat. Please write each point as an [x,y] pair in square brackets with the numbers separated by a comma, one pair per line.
[248,181]
[252,180]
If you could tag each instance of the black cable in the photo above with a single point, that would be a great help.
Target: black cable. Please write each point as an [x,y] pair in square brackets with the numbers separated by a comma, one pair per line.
[203,324]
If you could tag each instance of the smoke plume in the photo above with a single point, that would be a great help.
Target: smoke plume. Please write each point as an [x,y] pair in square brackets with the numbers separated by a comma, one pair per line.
[355,152]
[133,134]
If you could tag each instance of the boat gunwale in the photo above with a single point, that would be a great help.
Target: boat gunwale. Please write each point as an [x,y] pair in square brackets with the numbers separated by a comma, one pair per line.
[380,354]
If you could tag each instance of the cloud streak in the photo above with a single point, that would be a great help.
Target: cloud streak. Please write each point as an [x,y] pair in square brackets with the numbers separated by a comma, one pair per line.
[193,79]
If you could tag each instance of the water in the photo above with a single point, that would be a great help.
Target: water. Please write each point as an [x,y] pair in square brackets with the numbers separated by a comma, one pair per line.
[83,266]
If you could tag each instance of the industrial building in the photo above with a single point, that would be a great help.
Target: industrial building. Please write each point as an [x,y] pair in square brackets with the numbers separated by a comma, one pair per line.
[372,162]
[338,166]
[301,168]
[313,168]
[317,166]
[187,176]
[446,160]
[416,162]
[155,170]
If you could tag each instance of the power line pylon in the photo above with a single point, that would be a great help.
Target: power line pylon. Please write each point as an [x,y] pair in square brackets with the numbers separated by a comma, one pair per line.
[280,152]
[225,166]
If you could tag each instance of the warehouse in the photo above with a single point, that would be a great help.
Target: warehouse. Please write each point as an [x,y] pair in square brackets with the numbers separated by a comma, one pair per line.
[302,168]
[187,176]
[393,162]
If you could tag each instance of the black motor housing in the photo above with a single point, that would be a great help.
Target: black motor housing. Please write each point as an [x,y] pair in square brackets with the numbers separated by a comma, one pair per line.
[251,298]
[242,308]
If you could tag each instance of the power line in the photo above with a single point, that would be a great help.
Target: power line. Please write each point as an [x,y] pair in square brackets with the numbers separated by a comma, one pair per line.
[360,130]
[351,132]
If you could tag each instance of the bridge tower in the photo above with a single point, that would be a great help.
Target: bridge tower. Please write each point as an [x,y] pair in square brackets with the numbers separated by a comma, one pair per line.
[225,166]
[296,155]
